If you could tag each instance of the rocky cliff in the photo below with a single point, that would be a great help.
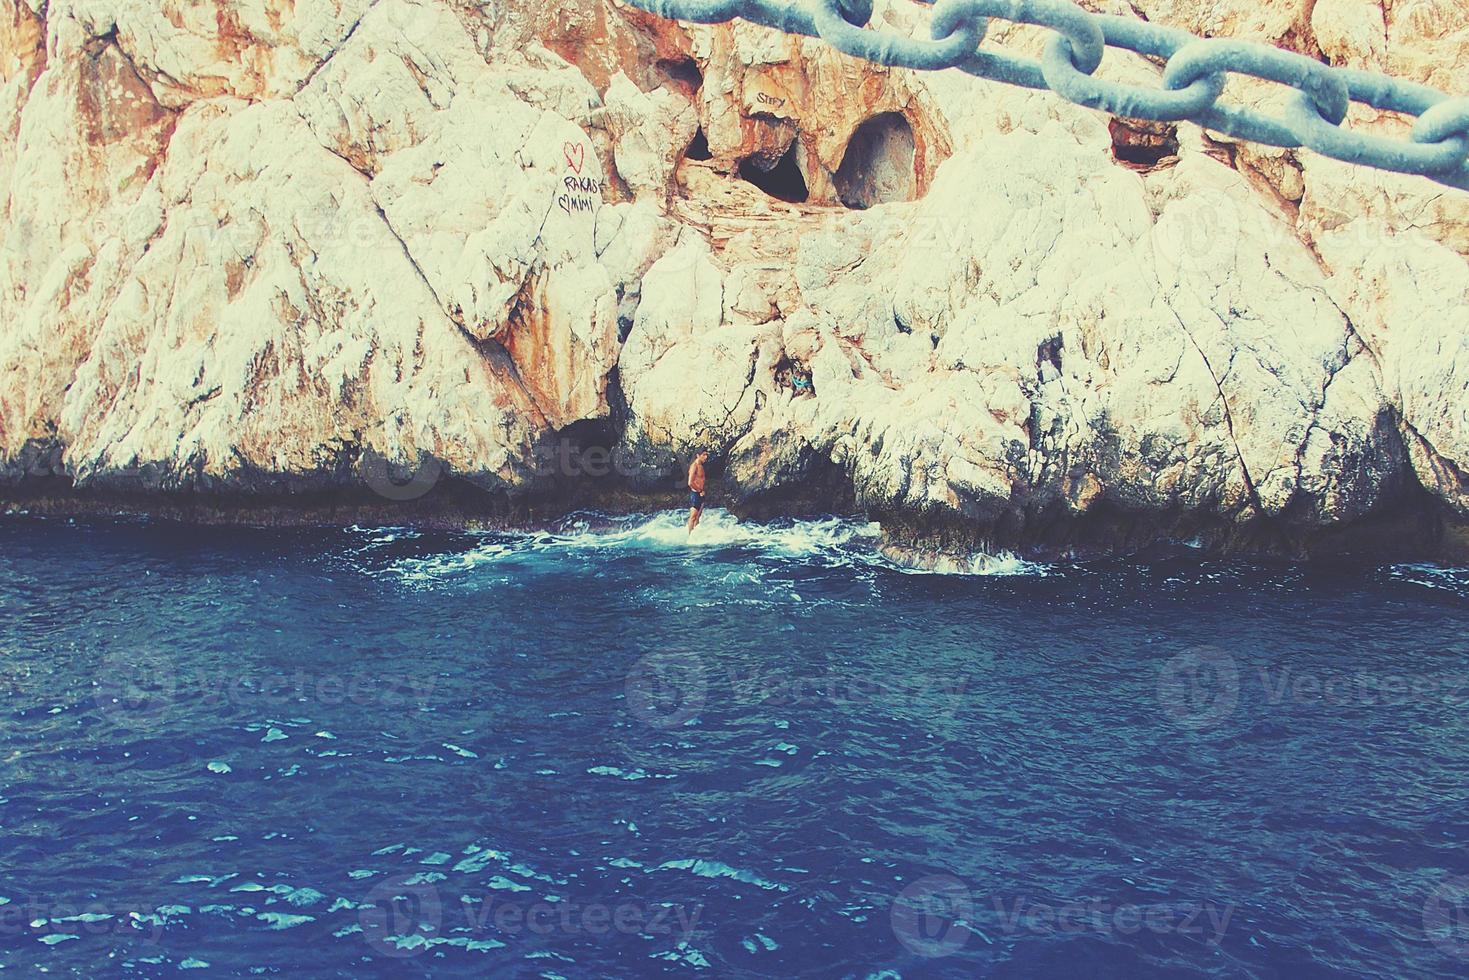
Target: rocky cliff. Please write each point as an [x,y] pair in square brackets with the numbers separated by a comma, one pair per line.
[256,248]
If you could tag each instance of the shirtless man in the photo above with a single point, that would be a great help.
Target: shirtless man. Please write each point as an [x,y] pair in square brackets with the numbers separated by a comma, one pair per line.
[696,488]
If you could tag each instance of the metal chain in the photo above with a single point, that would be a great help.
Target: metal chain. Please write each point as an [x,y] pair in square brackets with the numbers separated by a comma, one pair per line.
[1192,84]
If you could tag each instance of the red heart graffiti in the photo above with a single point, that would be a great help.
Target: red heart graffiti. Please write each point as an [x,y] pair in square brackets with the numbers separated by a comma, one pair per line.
[576,155]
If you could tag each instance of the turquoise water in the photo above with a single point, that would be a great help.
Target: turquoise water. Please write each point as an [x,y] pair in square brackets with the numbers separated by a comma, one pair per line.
[600,750]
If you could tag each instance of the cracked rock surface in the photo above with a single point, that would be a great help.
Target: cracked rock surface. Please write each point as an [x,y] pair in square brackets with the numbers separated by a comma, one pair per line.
[251,245]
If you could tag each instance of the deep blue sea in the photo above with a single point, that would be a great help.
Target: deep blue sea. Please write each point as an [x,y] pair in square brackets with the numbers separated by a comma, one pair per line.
[603,750]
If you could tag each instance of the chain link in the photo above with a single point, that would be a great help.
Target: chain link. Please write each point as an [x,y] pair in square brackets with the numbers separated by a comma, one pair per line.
[1193,82]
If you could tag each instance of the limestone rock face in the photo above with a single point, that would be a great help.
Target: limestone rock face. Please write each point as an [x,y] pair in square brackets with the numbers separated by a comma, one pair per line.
[186,51]
[259,247]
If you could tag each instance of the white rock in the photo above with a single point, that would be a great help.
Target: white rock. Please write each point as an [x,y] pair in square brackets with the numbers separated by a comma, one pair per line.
[279,240]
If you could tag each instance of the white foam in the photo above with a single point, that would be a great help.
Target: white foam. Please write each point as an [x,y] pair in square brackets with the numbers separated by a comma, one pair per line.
[1442,577]
[423,571]
[835,541]
[1003,564]
[718,528]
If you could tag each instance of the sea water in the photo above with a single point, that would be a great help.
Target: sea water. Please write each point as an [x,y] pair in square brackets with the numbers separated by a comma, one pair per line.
[607,749]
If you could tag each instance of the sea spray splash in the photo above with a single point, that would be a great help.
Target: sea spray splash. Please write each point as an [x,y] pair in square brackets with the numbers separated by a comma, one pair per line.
[721,538]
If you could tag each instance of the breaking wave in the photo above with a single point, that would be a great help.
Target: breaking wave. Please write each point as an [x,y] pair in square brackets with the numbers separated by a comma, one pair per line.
[1441,578]
[720,539]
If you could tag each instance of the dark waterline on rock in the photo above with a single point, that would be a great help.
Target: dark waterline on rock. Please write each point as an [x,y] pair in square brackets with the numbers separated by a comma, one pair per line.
[1418,528]
[597,750]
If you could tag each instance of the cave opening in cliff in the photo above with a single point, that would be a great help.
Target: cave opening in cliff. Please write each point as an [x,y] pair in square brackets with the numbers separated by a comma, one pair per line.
[1143,144]
[698,147]
[683,70]
[1049,352]
[784,181]
[878,165]
[584,449]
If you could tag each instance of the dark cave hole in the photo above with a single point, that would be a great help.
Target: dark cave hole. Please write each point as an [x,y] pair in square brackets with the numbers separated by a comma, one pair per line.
[1050,350]
[699,148]
[782,181]
[685,70]
[590,434]
[878,165]
[1143,144]
[583,449]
